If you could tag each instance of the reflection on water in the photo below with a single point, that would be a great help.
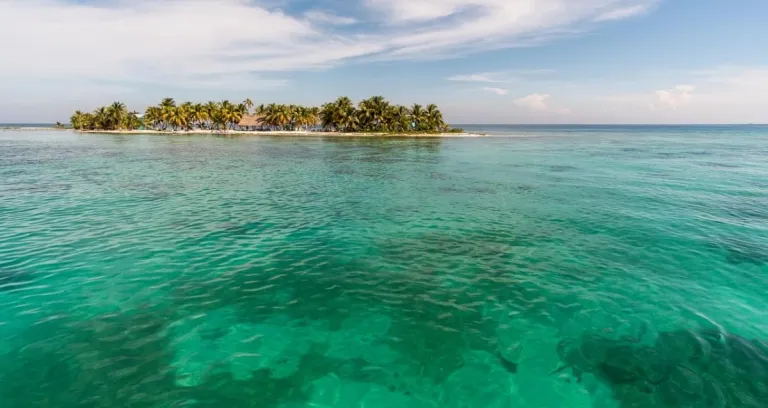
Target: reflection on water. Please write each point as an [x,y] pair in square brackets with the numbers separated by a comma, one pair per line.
[279,272]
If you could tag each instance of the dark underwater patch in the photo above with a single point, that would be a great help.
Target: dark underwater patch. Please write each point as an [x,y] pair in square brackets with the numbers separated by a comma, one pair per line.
[748,210]
[508,365]
[739,251]
[562,168]
[12,279]
[719,165]
[682,368]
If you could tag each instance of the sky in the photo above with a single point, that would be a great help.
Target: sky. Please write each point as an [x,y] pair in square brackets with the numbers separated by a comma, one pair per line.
[480,61]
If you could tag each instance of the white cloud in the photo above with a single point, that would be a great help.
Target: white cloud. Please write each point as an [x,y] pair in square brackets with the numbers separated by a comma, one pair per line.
[462,26]
[497,91]
[536,102]
[499,77]
[323,17]
[539,103]
[182,40]
[625,12]
[481,77]
[402,11]
[676,97]
[720,95]
[142,40]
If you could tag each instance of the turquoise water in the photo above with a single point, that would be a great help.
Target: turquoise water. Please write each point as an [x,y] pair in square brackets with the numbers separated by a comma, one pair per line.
[541,267]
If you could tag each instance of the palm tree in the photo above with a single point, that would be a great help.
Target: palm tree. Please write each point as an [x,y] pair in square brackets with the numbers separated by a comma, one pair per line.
[269,114]
[167,103]
[153,117]
[101,118]
[89,121]
[298,116]
[313,116]
[365,114]
[343,102]
[212,115]
[224,113]
[328,116]
[177,117]
[116,114]
[78,120]
[417,116]
[305,117]
[372,113]
[278,115]
[216,117]
[398,118]
[198,115]
[248,103]
[236,115]
[132,120]
[339,115]
[434,118]
[228,114]
[348,120]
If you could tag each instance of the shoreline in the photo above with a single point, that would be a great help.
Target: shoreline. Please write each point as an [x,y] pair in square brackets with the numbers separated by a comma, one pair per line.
[275,133]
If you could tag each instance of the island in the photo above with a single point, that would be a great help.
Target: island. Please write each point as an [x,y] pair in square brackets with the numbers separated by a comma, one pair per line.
[374,116]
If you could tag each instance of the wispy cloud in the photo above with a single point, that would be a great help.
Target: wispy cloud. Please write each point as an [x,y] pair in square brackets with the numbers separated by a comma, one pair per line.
[622,13]
[146,40]
[749,78]
[467,26]
[490,77]
[500,77]
[329,18]
[497,91]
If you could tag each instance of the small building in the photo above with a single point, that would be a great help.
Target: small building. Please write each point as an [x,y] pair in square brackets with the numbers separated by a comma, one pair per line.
[251,122]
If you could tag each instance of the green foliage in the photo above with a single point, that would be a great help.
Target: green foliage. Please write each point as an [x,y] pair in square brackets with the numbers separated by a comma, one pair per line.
[374,114]
[113,117]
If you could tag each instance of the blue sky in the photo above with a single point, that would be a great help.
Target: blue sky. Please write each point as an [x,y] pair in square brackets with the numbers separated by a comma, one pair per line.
[481,61]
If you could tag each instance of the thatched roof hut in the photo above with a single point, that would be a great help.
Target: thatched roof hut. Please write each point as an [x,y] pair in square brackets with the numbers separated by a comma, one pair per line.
[252,121]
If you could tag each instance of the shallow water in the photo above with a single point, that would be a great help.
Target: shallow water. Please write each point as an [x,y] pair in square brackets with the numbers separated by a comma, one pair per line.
[565,266]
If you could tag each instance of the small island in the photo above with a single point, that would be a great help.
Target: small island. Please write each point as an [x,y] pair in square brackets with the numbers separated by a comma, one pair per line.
[374,116]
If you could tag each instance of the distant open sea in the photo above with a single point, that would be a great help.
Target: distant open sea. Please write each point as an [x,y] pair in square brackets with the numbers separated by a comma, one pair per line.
[26,125]
[545,266]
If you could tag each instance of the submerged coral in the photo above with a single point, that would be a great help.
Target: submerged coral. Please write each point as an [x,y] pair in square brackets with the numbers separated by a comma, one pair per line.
[691,368]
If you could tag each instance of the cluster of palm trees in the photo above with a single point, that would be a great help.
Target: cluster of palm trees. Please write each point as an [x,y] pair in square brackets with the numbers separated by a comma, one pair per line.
[188,115]
[374,114]
[112,117]
[287,117]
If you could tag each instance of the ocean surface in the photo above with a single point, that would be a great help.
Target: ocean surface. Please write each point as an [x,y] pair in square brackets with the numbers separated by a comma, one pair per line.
[24,126]
[541,266]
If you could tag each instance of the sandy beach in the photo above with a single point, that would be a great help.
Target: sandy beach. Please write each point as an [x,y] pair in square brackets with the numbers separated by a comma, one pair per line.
[276,133]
